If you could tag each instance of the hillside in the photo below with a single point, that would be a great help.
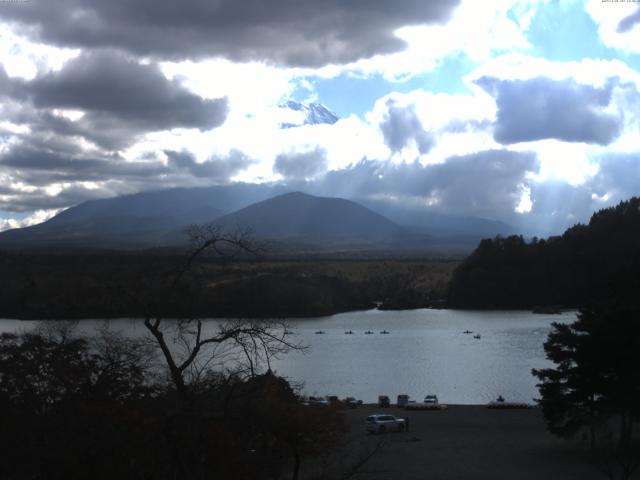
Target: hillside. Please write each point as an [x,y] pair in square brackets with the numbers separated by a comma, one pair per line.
[588,263]
[298,215]
[297,224]
[135,221]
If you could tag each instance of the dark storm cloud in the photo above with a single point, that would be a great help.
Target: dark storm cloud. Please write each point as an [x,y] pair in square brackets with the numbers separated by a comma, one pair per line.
[6,190]
[293,32]
[401,125]
[627,23]
[541,108]
[301,165]
[221,169]
[618,176]
[36,165]
[486,183]
[120,97]
[39,199]
[5,82]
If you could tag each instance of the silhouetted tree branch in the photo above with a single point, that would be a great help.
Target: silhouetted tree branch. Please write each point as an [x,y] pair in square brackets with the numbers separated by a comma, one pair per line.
[256,341]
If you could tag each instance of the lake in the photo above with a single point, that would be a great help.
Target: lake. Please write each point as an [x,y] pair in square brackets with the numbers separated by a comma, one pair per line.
[425,352]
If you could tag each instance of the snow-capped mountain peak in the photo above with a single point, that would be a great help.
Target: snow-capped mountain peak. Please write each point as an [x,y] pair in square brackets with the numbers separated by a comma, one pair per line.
[311,114]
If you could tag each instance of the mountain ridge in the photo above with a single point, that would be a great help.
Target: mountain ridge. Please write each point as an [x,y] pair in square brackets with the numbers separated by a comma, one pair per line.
[300,215]
[158,218]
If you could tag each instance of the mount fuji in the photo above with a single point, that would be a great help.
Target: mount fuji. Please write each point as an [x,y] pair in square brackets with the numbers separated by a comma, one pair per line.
[312,114]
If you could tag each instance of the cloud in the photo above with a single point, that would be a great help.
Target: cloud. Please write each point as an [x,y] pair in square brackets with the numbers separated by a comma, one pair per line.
[541,108]
[60,175]
[400,126]
[37,165]
[618,177]
[617,24]
[221,169]
[8,224]
[488,183]
[292,32]
[557,204]
[117,99]
[41,199]
[36,217]
[629,22]
[301,165]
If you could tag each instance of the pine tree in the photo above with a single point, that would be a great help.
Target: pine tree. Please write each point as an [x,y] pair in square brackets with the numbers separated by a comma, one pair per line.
[596,380]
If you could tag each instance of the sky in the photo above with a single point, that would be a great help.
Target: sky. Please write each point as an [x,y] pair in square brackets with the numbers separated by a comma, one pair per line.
[523,111]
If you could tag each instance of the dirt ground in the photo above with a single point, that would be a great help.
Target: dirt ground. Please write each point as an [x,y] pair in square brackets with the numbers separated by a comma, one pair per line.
[469,442]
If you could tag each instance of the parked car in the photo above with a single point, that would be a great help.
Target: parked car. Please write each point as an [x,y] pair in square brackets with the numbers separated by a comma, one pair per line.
[383,401]
[402,400]
[318,402]
[432,399]
[384,423]
[351,402]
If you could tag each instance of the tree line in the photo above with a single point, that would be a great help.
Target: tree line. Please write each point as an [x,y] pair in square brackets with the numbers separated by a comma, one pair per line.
[586,263]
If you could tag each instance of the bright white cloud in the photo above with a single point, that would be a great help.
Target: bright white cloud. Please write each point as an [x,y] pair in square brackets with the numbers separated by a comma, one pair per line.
[616,24]
[36,217]
[517,66]
[252,88]
[22,58]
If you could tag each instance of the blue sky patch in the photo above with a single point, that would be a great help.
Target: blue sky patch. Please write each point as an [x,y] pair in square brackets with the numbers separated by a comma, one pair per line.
[348,94]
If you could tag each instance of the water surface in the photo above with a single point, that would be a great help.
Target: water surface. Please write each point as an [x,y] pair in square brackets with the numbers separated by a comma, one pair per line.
[425,352]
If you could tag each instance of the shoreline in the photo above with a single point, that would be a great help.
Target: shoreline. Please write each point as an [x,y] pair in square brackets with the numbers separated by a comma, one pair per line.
[309,316]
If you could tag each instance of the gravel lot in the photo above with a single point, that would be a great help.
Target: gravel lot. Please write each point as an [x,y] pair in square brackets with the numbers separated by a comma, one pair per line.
[469,442]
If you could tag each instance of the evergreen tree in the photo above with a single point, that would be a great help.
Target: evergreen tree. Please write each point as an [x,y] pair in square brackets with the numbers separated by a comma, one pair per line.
[596,380]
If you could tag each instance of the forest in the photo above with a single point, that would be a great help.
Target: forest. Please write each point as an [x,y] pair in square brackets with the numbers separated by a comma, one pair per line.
[585,265]
[108,284]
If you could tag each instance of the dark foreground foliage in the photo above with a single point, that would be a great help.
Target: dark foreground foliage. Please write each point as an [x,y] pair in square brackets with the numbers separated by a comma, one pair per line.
[594,388]
[588,263]
[74,408]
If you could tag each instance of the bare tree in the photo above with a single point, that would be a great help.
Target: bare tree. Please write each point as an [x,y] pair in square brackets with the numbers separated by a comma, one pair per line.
[189,346]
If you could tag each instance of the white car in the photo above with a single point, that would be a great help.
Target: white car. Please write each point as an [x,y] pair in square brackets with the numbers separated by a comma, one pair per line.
[384,423]
[431,399]
[318,402]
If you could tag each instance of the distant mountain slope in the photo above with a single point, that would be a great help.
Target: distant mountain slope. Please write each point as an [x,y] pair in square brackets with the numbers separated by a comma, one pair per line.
[588,263]
[298,215]
[136,221]
[438,224]
[158,218]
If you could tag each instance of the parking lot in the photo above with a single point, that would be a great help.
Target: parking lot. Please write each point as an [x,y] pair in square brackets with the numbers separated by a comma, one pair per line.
[467,442]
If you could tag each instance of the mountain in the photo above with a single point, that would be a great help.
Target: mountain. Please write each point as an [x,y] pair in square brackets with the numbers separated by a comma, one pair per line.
[313,114]
[158,218]
[447,227]
[140,220]
[301,216]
